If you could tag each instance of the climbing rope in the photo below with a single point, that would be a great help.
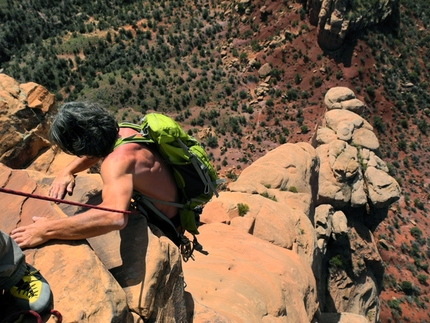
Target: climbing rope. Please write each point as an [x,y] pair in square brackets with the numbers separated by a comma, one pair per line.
[51,199]
[187,247]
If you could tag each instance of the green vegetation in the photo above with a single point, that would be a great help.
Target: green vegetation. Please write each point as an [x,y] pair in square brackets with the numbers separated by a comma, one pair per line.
[242,208]
[99,59]
[336,262]
[293,189]
[267,195]
[394,305]
[422,279]
[408,288]
[416,232]
[379,124]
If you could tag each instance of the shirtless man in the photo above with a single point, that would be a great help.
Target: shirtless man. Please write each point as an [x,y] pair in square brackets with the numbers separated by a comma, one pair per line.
[89,132]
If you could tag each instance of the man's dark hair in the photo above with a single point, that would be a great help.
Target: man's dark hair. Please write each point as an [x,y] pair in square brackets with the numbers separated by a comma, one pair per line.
[84,129]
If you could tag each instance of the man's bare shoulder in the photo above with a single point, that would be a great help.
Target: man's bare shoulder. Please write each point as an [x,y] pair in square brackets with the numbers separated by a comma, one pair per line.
[121,157]
[127,155]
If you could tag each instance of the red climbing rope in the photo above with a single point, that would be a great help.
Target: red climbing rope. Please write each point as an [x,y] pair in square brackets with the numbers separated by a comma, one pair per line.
[40,197]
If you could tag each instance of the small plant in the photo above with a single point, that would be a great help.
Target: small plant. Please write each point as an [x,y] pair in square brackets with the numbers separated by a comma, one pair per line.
[336,262]
[318,82]
[304,129]
[418,204]
[293,189]
[242,208]
[394,305]
[379,124]
[422,279]
[266,195]
[416,232]
[407,287]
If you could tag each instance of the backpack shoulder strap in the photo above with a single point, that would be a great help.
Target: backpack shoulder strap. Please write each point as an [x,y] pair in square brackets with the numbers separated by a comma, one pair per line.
[130,125]
[141,138]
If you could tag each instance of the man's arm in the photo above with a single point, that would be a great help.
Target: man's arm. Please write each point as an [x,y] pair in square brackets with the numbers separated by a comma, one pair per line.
[117,191]
[65,181]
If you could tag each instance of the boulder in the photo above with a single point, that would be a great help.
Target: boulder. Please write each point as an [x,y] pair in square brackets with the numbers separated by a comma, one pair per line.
[339,223]
[264,70]
[354,105]
[325,135]
[337,95]
[289,167]
[24,122]
[333,117]
[365,138]
[383,189]
[245,279]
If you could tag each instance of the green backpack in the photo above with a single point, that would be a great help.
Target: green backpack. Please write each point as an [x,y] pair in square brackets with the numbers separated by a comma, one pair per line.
[194,175]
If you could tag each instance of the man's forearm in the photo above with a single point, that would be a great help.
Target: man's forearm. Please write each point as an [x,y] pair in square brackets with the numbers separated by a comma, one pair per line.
[85,225]
[80,164]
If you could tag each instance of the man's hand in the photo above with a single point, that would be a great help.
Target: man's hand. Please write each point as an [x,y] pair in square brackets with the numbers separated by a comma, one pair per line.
[30,235]
[62,183]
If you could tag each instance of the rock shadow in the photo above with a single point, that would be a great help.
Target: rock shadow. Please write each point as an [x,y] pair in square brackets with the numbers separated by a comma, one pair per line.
[352,261]
[133,246]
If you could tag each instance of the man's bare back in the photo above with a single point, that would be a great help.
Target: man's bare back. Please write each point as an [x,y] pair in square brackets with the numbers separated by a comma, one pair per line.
[152,176]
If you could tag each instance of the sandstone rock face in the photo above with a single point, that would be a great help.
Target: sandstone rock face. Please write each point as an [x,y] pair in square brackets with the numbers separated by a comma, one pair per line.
[286,242]
[289,167]
[144,263]
[355,289]
[345,160]
[352,179]
[343,318]
[21,108]
[98,299]
[337,19]
[245,279]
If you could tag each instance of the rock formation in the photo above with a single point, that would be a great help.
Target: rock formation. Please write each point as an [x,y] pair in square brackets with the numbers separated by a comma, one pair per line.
[338,19]
[23,126]
[289,241]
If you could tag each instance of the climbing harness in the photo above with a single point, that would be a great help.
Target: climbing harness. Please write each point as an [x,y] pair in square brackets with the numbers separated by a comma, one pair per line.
[186,246]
